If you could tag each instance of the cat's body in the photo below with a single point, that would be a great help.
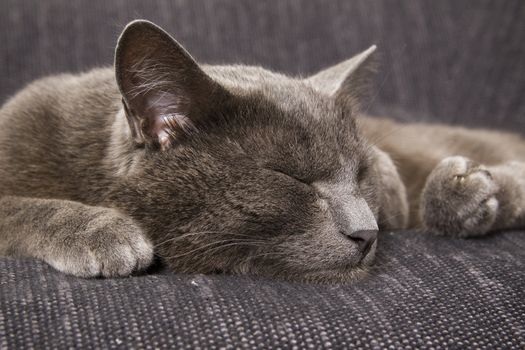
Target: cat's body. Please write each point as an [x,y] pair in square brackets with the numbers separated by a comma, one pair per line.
[233,169]
[417,148]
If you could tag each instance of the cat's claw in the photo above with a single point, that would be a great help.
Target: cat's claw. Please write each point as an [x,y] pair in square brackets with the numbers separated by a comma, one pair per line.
[459,199]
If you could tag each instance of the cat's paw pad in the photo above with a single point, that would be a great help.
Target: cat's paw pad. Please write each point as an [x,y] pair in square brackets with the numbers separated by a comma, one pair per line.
[111,245]
[459,199]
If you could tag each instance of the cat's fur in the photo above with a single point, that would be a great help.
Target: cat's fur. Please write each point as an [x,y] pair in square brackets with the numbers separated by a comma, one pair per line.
[234,169]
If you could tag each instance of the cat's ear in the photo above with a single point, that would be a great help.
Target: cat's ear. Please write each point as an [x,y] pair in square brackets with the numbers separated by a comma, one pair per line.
[350,80]
[164,91]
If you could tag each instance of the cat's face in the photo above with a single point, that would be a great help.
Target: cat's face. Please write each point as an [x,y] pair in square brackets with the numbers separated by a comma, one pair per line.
[241,170]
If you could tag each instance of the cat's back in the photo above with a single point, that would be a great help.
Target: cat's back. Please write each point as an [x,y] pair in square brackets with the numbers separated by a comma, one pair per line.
[417,148]
[433,142]
[55,129]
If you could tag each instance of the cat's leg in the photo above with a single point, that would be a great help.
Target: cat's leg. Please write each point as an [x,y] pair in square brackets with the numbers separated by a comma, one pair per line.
[393,210]
[462,198]
[74,238]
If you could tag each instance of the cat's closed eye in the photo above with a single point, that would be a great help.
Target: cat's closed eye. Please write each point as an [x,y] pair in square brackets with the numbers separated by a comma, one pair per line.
[293,177]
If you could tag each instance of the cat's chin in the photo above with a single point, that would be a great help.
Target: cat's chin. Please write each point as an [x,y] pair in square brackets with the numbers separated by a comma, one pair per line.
[330,276]
[343,270]
[338,275]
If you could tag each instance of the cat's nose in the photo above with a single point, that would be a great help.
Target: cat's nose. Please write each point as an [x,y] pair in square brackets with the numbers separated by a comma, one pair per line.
[364,239]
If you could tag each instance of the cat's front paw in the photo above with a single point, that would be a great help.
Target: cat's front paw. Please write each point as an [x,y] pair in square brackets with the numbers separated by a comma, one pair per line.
[108,245]
[459,199]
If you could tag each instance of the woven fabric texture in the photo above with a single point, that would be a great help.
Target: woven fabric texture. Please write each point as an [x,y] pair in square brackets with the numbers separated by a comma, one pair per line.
[426,292]
[460,62]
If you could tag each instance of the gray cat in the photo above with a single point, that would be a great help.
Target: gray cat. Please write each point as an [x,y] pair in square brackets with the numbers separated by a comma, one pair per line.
[233,169]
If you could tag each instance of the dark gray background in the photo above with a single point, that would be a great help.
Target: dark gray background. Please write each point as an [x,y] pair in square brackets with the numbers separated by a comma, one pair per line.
[457,61]
[448,60]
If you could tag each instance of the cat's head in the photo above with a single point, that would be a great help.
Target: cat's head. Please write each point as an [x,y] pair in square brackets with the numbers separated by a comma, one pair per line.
[241,170]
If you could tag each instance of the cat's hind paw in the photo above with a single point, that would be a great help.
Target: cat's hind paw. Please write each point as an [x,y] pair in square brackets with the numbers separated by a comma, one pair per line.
[459,199]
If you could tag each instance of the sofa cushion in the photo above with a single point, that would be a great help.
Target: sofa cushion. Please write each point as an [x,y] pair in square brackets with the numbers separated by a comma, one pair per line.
[453,61]
[425,292]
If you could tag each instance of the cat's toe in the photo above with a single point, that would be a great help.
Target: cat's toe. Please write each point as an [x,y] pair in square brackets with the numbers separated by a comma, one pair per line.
[130,253]
[480,219]
[112,246]
[459,199]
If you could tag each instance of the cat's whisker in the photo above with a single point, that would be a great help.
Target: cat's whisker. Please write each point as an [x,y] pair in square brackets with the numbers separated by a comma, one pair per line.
[178,238]
[228,242]
[175,239]
[189,234]
[195,250]
[205,254]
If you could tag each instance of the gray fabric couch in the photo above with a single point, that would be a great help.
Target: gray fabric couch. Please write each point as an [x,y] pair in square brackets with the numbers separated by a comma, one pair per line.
[452,61]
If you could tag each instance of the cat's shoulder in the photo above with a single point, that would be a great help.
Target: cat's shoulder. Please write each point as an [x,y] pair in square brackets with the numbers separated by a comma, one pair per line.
[64,89]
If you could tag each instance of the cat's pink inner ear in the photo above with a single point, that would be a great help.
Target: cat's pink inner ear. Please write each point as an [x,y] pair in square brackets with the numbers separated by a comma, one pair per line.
[157,120]
[167,93]
[167,127]
[168,117]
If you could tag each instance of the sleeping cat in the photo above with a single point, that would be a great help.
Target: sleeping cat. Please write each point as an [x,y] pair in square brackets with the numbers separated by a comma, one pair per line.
[233,169]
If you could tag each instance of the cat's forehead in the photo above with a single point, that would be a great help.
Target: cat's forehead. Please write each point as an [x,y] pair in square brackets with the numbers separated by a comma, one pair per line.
[286,120]
[246,77]
[285,123]
[289,94]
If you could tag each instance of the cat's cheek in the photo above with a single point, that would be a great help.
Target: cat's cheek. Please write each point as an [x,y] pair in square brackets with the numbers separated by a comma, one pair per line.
[368,191]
